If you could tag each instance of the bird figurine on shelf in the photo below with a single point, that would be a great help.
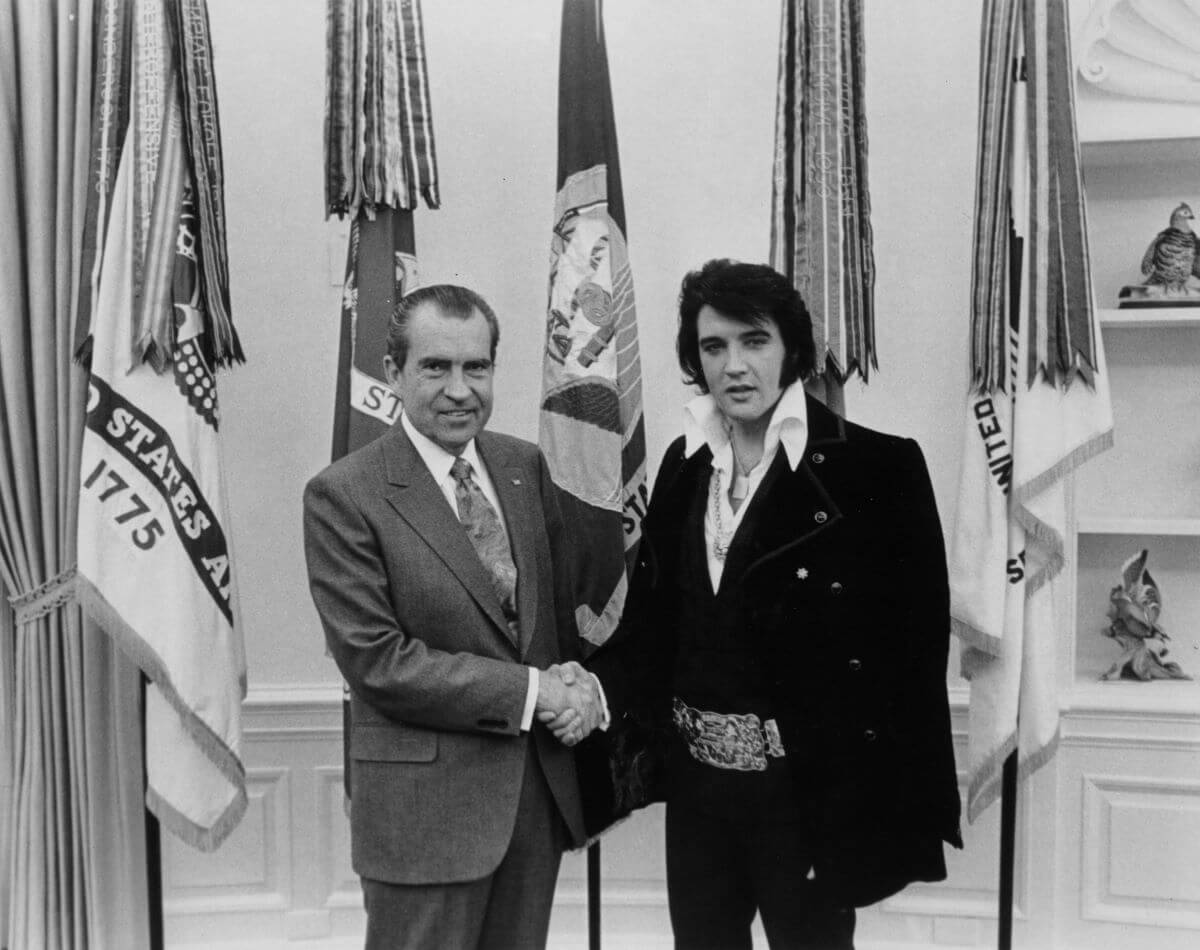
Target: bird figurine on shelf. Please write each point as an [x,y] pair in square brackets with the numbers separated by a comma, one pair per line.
[1133,608]
[1173,257]
[1171,266]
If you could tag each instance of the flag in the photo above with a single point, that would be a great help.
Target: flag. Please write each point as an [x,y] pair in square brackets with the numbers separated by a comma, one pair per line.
[379,162]
[381,267]
[155,566]
[591,428]
[1039,405]
[821,234]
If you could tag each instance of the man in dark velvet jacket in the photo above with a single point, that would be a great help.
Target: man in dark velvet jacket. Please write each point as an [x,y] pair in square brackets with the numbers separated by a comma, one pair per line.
[785,638]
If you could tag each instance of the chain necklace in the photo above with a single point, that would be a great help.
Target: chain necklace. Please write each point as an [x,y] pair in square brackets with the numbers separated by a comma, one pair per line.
[721,538]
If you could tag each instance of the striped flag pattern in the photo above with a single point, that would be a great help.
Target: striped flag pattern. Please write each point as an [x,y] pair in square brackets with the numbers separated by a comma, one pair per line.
[591,429]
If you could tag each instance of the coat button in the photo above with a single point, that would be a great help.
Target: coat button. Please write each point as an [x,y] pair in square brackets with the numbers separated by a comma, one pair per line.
[818,457]
[869,735]
[855,666]
[835,588]
[820,517]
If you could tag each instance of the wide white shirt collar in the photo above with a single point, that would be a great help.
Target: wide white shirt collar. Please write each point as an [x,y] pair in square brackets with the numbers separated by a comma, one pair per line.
[703,424]
[437,459]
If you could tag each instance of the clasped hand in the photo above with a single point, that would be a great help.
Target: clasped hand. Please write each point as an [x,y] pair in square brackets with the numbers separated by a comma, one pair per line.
[568,702]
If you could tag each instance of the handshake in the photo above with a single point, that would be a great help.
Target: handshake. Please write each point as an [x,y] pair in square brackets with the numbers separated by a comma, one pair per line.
[568,702]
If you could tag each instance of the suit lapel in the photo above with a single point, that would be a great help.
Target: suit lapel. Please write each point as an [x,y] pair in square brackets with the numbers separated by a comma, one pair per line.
[415,496]
[764,521]
[513,487]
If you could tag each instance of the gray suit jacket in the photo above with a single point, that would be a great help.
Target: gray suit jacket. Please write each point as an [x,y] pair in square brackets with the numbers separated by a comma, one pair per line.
[438,687]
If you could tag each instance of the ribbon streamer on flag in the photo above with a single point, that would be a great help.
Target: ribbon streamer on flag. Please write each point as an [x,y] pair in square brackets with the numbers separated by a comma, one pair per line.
[379,162]
[155,567]
[820,206]
[1027,426]
[591,430]
[379,149]
[1062,329]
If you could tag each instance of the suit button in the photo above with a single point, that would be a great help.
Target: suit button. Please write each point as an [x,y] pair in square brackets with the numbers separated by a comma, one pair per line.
[869,735]
[818,458]
[835,588]
[855,666]
[820,517]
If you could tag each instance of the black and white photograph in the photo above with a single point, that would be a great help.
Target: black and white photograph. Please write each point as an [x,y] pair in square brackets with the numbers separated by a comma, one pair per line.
[599,475]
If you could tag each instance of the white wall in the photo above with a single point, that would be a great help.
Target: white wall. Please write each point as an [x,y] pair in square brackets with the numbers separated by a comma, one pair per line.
[694,91]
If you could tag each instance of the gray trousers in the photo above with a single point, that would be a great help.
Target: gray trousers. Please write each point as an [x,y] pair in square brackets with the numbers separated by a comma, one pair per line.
[507,910]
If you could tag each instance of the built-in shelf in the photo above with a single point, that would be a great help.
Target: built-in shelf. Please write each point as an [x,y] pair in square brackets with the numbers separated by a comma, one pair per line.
[1153,698]
[1150,317]
[1141,151]
[1156,527]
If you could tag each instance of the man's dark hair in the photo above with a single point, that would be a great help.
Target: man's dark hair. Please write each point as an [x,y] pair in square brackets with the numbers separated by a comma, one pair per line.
[451,300]
[748,293]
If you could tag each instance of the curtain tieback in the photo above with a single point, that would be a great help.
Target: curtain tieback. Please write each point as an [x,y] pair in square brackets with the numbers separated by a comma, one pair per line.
[45,598]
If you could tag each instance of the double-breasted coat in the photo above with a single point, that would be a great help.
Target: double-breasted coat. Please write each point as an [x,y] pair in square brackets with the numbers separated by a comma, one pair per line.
[841,573]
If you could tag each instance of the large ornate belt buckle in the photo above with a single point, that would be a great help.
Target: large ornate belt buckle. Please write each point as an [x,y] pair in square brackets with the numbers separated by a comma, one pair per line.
[740,742]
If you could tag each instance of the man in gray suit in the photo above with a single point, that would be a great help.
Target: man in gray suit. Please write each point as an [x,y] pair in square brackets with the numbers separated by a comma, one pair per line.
[434,564]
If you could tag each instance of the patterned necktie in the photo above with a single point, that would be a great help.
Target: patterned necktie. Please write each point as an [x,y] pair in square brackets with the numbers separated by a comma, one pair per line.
[487,534]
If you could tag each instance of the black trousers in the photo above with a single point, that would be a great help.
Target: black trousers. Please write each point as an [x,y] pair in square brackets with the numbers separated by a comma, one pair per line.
[725,864]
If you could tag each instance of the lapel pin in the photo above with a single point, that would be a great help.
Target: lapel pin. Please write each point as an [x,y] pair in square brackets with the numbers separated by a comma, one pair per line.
[802,573]
[516,481]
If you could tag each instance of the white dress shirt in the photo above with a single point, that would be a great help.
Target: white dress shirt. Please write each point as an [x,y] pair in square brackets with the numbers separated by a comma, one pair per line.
[704,424]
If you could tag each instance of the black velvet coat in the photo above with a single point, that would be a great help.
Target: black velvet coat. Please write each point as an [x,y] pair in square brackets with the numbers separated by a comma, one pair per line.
[845,589]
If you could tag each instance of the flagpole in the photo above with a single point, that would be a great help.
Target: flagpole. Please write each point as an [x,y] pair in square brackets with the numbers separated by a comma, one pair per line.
[154,880]
[154,905]
[1008,835]
[593,893]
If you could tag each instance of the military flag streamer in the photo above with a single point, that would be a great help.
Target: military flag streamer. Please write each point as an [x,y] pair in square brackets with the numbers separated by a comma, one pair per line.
[591,429]
[379,162]
[1025,432]
[1063,336]
[155,566]
[820,205]
[379,149]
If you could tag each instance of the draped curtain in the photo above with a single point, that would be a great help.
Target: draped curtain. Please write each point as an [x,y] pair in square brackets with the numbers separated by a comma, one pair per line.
[75,840]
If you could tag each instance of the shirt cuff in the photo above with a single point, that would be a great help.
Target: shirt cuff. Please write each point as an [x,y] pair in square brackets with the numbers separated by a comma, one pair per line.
[606,719]
[531,700]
